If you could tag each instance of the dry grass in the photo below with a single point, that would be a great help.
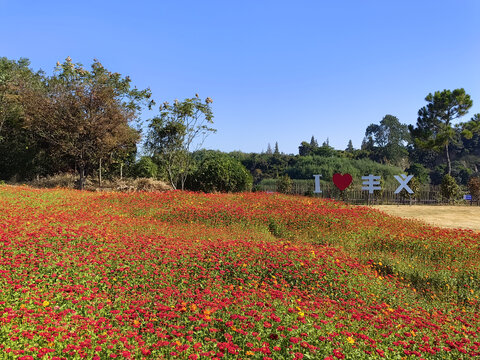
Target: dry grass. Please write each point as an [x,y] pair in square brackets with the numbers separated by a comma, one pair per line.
[466,217]
[125,185]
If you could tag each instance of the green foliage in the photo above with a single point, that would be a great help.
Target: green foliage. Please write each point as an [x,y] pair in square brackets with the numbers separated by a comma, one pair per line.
[469,129]
[449,188]
[434,128]
[306,166]
[419,172]
[85,114]
[460,172]
[387,141]
[414,184]
[350,148]
[146,168]
[22,153]
[174,131]
[474,187]
[218,172]
[284,184]
[264,166]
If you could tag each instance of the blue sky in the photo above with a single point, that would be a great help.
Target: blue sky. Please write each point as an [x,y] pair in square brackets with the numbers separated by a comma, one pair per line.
[276,70]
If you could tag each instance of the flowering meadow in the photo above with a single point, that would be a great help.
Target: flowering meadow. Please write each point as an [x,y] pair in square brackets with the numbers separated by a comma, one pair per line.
[237,276]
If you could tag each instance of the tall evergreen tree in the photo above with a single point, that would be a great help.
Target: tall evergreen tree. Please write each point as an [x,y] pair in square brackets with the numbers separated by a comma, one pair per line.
[276,151]
[269,149]
[350,146]
[435,129]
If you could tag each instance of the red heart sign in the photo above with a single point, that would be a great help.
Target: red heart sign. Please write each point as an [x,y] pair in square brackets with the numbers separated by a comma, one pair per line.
[342,181]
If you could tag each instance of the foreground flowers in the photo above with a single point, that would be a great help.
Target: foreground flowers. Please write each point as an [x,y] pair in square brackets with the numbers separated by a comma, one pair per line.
[192,276]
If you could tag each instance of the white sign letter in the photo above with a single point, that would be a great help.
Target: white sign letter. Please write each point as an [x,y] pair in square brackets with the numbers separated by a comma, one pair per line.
[403,180]
[370,183]
[317,184]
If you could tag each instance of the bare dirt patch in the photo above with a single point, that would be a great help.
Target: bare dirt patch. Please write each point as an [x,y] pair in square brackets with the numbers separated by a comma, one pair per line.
[464,217]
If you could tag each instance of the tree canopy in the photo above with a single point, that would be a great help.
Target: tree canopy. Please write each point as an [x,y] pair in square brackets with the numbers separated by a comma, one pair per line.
[435,128]
[175,131]
[83,114]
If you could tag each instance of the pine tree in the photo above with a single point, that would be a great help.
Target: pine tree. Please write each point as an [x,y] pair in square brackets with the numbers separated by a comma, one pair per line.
[276,152]
[269,149]
[349,146]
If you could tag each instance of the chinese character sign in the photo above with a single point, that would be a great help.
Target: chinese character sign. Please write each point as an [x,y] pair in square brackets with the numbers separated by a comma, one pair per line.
[370,183]
[403,180]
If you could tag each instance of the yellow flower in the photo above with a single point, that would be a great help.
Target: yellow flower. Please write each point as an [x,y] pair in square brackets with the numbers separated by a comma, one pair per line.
[45,303]
[250,353]
[350,340]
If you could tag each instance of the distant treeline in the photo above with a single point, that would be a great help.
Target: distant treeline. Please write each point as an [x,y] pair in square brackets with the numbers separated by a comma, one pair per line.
[88,122]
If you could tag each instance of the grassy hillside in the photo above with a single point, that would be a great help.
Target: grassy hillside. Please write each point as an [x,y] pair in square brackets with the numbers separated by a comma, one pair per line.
[262,276]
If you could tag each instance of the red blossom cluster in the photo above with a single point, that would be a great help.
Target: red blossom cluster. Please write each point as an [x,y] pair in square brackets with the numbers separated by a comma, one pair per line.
[237,276]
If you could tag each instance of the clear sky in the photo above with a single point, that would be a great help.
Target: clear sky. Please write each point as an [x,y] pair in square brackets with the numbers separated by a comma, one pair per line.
[276,70]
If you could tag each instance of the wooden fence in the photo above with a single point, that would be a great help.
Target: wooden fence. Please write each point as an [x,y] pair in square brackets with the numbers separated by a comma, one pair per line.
[428,195]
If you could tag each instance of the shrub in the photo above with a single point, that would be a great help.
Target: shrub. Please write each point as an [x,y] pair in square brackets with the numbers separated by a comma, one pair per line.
[449,188]
[146,168]
[284,184]
[220,172]
[474,187]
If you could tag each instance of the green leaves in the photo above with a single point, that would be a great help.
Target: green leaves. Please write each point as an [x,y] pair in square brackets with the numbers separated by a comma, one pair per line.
[434,124]
[174,132]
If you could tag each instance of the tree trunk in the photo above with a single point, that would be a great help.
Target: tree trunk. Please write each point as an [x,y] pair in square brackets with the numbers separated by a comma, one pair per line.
[121,171]
[448,160]
[81,170]
[100,173]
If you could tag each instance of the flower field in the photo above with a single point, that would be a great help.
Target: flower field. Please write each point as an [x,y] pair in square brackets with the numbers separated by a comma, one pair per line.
[235,276]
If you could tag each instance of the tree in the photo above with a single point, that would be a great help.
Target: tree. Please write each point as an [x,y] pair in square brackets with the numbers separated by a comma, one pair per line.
[449,188]
[284,184]
[434,128]
[276,151]
[21,152]
[13,76]
[174,132]
[472,127]
[305,149]
[220,172]
[85,115]
[350,147]
[269,149]
[474,187]
[313,143]
[387,140]
[146,168]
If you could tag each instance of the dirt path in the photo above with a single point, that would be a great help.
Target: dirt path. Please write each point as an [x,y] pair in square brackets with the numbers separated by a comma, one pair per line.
[466,217]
